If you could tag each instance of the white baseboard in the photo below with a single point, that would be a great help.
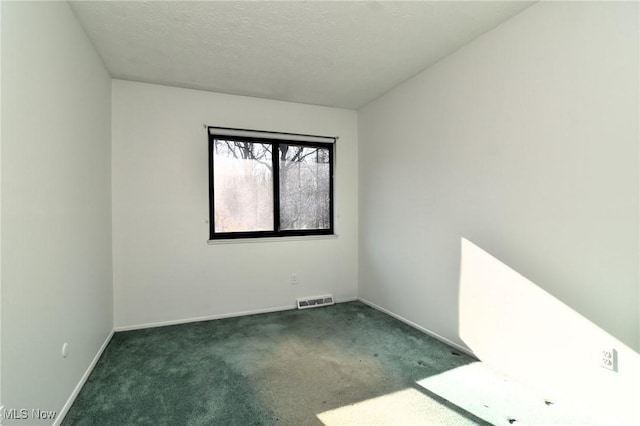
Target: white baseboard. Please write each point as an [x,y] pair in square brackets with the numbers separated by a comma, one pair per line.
[348,299]
[419,327]
[215,317]
[83,379]
[205,318]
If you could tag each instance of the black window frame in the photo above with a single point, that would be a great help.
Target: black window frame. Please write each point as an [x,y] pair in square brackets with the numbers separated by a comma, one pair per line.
[275,158]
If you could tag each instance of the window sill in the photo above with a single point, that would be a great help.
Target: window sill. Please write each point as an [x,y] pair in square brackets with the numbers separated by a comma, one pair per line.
[272,239]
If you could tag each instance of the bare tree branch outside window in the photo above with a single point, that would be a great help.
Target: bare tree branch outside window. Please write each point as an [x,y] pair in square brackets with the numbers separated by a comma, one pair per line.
[243,186]
[304,188]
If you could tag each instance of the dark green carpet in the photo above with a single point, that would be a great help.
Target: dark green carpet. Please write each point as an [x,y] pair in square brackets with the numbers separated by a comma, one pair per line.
[280,368]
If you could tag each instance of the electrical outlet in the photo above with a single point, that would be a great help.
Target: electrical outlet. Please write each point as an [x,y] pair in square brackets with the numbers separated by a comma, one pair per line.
[294,278]
[609,359]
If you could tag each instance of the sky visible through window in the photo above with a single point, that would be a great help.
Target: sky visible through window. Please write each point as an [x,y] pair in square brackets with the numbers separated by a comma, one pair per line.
[244,186]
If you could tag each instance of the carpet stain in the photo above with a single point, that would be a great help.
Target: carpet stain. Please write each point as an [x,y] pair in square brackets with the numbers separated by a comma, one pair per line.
[280,368]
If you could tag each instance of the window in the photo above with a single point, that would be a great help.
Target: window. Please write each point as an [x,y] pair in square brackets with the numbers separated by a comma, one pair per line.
[269,184]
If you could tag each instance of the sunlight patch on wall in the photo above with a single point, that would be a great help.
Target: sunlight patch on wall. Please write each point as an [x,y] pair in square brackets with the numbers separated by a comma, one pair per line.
[513,325]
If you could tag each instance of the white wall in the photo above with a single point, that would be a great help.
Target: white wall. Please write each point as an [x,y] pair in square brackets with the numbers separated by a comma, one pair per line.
[0,208]
[164,270]
[526,143]
[56,211]
[515,326]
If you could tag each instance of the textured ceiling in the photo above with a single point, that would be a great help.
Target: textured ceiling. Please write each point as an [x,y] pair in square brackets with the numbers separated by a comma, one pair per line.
[341,54]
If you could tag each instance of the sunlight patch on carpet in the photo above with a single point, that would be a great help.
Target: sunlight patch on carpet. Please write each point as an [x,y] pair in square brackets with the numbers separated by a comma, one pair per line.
[405,407]
[500,400]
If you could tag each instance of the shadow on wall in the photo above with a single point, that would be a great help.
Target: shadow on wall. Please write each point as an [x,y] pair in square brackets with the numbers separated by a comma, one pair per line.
[516,327]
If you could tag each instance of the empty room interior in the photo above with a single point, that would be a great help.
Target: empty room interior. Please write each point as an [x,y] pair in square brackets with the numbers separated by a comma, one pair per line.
[315,212]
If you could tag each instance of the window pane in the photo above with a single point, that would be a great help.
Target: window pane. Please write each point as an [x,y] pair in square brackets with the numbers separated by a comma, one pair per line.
[304,188]
[243,186]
